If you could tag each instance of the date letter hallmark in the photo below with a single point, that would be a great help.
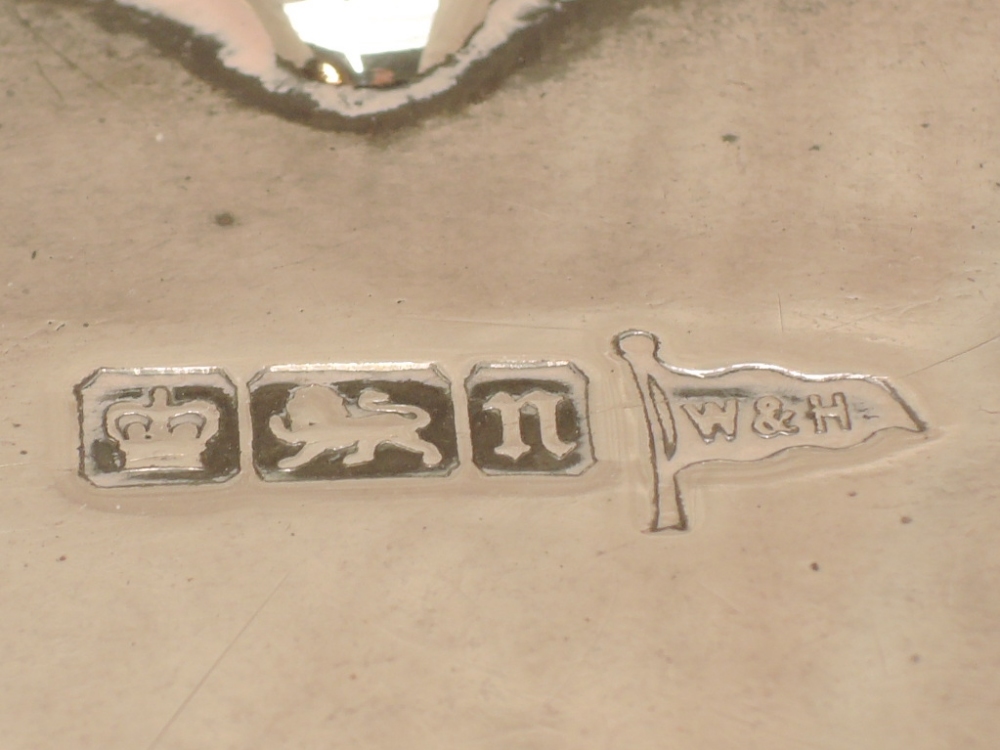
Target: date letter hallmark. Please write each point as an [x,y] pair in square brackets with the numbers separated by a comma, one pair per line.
[529,418]
[758,410]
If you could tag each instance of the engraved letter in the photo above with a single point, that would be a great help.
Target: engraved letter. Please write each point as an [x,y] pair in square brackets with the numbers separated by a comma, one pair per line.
[772,419]
[511,409]
[821,414]
[710,419]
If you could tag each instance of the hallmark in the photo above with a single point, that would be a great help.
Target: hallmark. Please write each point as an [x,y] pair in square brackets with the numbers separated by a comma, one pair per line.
[158,426]
[176,426]
[352,421]
[529,418]
[746,413]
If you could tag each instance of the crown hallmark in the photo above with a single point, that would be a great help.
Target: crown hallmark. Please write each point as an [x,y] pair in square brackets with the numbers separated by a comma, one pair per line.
[157,433]
[158,426]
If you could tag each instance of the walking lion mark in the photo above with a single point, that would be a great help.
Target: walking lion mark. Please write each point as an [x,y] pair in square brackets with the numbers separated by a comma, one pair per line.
[320,420]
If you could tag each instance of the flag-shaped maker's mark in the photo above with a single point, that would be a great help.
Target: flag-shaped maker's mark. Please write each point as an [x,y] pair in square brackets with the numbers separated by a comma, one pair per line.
[746,413]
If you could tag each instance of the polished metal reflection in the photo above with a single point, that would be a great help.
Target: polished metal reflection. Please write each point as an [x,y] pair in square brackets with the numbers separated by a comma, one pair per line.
[368,43]
[347,64]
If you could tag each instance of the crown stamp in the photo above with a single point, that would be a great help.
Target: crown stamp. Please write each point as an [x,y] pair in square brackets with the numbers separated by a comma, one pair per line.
[158,426]
[158,433]
[315,422]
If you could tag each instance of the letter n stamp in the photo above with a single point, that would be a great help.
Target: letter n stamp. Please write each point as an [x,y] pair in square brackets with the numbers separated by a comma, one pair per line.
[529,418]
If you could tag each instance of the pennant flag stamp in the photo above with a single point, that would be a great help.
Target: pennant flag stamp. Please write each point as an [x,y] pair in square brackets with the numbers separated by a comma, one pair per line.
[746,412]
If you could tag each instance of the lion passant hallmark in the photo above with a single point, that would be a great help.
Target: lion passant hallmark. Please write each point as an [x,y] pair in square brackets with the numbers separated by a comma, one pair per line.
[342,422]
[338,422]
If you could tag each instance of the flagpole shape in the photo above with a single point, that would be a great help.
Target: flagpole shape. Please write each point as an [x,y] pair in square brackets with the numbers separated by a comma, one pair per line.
[746,412]
[639,350]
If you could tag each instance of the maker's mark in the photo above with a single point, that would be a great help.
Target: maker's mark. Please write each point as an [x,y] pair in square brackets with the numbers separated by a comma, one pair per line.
[746,413]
